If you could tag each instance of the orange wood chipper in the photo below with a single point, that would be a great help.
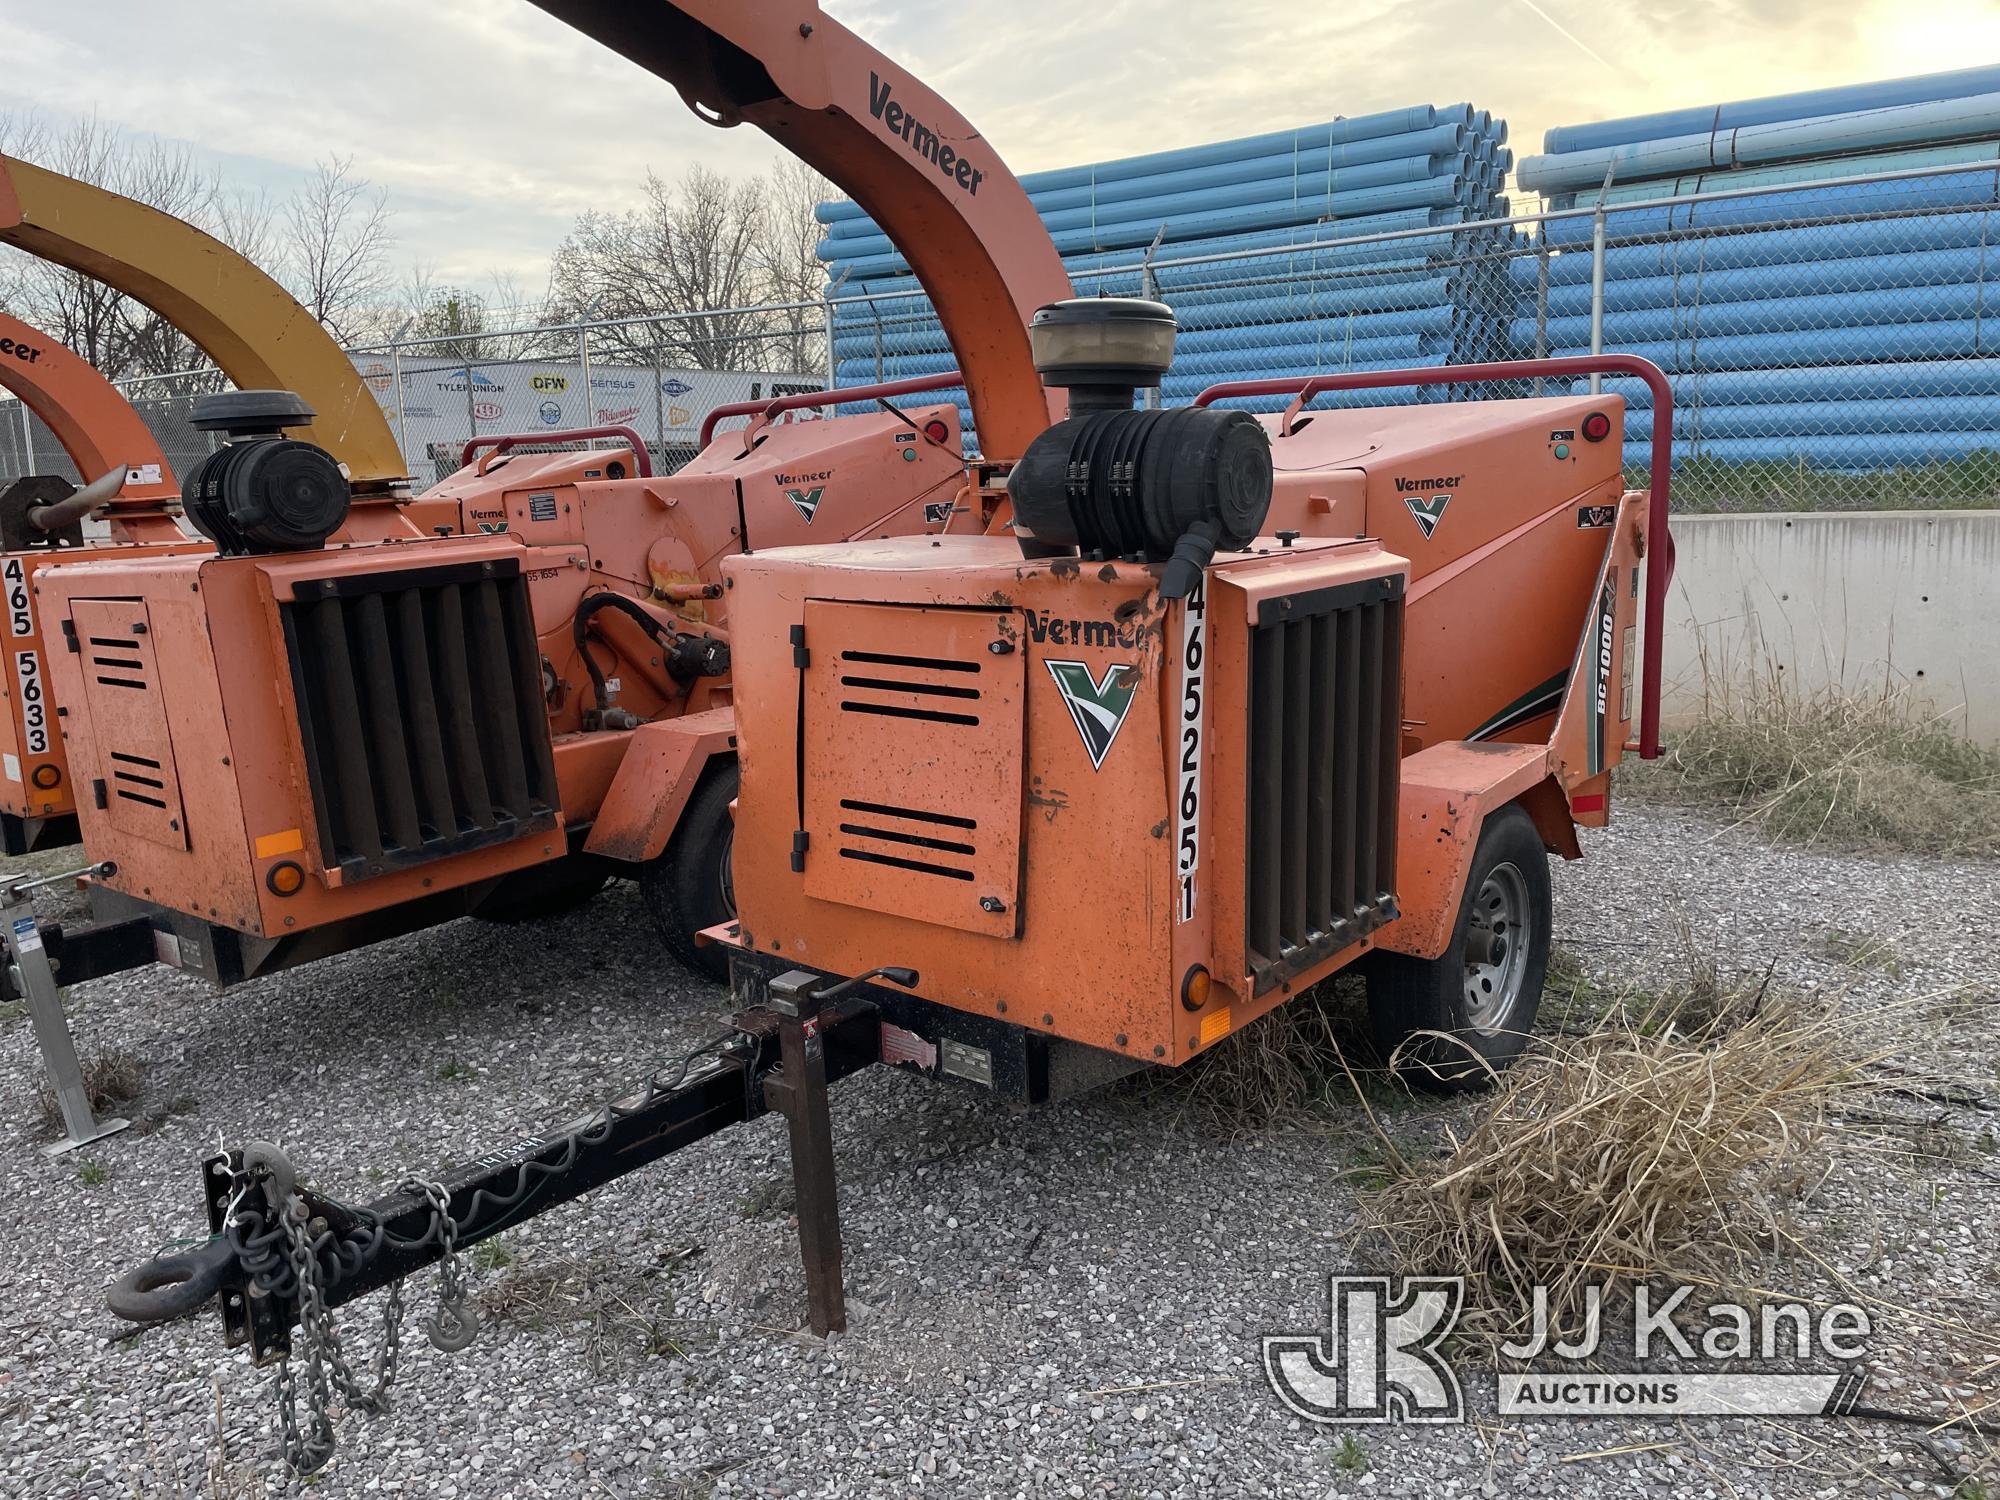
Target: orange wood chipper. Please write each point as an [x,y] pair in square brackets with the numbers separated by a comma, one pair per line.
[226,826]
[1197,709]
[257,334]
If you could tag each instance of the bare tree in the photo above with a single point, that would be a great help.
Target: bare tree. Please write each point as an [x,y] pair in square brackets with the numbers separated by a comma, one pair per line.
[115,333]
[456,317]
[331,247]
[340,233]
[788,268]
[689,248]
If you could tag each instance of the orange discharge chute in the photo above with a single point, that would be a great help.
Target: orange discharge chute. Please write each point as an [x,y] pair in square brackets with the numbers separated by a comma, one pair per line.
[933,183]
[90,418]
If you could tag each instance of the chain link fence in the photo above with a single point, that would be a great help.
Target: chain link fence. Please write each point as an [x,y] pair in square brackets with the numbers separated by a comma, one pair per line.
[658,376]
[1829,342]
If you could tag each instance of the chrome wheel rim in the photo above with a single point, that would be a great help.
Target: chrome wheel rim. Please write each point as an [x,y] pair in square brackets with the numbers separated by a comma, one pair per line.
[1496,951]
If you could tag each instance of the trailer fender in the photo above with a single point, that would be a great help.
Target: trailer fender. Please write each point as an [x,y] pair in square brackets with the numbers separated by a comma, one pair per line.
[662,764]
[1447,792]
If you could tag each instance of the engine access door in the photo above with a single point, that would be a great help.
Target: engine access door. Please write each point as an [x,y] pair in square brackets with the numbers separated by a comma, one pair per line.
[912,765]
[136,781]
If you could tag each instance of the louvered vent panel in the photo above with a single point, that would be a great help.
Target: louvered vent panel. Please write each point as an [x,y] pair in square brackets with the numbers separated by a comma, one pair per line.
[134,781]
[420,713]
[1325,723]
[911,762]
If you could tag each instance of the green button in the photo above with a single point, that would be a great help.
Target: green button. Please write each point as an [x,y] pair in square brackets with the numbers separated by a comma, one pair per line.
[1562,450]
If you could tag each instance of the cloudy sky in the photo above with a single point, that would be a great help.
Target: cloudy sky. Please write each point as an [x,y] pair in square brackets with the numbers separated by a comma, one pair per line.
[492,125]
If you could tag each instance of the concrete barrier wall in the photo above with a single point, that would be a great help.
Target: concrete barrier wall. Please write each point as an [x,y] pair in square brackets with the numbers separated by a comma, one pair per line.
[1847,598]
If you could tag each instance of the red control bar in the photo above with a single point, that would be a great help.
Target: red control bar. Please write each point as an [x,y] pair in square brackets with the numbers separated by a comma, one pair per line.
[1659,544]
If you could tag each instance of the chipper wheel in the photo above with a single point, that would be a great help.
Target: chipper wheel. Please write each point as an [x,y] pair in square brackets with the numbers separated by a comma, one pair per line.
[691,884]
[1483,992]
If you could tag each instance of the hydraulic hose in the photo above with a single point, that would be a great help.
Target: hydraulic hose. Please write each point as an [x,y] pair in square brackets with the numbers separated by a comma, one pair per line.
[581,631]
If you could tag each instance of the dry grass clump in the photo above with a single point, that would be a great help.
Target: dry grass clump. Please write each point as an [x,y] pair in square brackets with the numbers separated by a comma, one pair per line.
[1862,769]
[622,1309]
[1292,1062]
[1662,1140]
[110,1079]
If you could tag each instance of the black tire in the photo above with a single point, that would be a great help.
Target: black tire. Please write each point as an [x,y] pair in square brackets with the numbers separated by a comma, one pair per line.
[688,886]
[1408,996]
[543,890]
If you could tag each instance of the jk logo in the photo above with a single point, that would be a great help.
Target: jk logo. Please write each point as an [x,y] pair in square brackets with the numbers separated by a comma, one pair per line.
[1427,511]
[807,501]
[1099,708]
[1378,1361]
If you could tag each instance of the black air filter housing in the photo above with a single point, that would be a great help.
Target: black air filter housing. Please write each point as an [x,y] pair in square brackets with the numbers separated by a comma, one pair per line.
[1110,481]
[1133,483]
[261,491]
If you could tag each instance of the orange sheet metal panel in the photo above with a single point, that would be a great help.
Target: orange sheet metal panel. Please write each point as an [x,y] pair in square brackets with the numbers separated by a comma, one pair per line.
[913,724]
[121,674]
[1096,887]
[233,724]
[31,745]
[1448,792]
[1111,913]
[657,772]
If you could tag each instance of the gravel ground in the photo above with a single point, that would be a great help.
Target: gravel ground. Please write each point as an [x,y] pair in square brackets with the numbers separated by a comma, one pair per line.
[1064,1302]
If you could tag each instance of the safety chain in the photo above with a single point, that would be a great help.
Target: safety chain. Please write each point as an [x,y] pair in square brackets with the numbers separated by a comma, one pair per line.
[455,1324]
[321,1357]
[301,1256]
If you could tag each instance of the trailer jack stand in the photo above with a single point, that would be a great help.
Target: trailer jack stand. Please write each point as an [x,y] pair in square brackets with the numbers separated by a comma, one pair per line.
[36,981]
[799,1093]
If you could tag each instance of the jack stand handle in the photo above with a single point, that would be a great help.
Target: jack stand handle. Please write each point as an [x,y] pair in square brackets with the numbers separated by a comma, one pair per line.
[799,1093]
[102,868]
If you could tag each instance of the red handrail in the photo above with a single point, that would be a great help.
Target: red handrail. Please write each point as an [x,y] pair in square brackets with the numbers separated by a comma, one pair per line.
[1659,544]
[794,402]
[641,459]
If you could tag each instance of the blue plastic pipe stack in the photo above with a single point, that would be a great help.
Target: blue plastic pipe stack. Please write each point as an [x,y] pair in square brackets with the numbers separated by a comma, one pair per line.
[1841,326]
[1290,309]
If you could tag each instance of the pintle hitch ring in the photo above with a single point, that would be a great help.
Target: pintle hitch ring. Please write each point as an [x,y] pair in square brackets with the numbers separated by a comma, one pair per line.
[172,1286]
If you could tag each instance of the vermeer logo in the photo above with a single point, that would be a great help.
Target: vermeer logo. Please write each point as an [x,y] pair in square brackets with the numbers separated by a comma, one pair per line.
[807,501]
[921,139]
[1043,626]
[1097,707]
[1426,511]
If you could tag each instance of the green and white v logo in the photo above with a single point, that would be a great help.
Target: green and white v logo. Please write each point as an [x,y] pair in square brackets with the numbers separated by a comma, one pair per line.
[1427,511]
[807,501]
[1099,708]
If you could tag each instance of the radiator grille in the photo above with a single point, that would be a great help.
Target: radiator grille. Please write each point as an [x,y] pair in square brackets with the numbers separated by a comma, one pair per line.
[420,713]
[1324,741]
